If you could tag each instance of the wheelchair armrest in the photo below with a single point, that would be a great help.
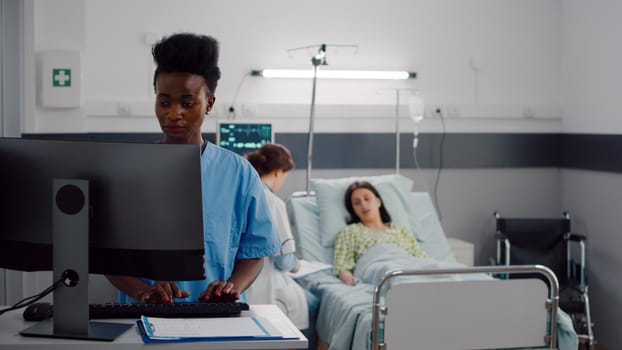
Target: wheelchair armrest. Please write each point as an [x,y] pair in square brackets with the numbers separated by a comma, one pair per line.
[575,237]
[500,235]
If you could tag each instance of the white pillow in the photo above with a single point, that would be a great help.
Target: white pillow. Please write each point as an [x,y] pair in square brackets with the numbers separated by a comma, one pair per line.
[305,222]
[332,211]
[427,228]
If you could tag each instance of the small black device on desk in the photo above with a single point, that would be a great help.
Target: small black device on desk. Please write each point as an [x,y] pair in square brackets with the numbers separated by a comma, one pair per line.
[38,311]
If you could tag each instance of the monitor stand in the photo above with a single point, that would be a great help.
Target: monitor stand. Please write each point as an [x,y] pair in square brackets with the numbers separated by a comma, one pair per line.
[70,220]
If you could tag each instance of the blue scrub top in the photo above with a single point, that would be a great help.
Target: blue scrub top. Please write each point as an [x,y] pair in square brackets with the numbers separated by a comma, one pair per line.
[236,218]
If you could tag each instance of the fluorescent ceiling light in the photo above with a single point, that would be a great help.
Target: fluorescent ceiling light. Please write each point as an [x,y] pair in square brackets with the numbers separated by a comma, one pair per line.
[334,74]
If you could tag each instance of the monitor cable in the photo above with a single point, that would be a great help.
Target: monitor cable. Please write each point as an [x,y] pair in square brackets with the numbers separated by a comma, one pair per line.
[69,278]
[420,171]
[416,115]
[231,109]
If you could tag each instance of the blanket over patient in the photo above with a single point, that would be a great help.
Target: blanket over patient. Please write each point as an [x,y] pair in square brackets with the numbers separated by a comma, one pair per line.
[345,316]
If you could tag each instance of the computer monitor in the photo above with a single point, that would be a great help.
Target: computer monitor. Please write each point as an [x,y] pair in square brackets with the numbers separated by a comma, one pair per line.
[243,137]
[135,208]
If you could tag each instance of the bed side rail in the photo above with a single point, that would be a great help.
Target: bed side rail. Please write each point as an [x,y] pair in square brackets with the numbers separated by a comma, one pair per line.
[446,285]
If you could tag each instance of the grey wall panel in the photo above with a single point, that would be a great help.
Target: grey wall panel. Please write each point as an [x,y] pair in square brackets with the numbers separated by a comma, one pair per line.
[462,150]
[342,151]
[592,152]
[452,150]
[594,200]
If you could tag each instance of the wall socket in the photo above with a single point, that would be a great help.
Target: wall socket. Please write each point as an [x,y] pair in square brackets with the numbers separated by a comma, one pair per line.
[433,111]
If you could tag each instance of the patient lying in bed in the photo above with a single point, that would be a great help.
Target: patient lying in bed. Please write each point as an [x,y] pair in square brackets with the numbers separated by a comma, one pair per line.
[369,225]
[344,320]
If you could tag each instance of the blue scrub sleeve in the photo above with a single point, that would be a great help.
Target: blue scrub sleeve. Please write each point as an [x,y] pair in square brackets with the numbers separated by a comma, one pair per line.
[258,238]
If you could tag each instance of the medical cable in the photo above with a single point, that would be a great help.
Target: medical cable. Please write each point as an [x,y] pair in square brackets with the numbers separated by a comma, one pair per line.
[231,109]
[440,163]
[420,171]
[416,110]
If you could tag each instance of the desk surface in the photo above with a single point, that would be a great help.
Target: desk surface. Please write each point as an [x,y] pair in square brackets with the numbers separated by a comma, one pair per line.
[12,323]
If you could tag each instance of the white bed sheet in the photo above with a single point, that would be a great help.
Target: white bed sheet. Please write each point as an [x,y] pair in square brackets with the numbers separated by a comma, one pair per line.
[345,315]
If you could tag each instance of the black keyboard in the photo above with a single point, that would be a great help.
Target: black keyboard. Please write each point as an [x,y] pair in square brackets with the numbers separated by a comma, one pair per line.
[176,310]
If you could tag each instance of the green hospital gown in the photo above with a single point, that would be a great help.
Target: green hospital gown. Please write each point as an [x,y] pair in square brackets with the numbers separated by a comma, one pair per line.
[355,239]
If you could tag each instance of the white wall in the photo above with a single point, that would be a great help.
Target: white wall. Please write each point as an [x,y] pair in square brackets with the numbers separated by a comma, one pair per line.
[10,67]
[63,21]
[10,89]
[591,85]
[513,45]
[592,75]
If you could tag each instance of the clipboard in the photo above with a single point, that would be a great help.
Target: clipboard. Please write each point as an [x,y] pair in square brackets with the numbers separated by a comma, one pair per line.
[169,330]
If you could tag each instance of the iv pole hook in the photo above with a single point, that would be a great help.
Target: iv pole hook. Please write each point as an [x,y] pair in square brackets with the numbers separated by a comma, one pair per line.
[317,60]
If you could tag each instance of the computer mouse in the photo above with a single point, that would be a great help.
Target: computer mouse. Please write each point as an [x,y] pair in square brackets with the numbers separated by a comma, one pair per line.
[38,311]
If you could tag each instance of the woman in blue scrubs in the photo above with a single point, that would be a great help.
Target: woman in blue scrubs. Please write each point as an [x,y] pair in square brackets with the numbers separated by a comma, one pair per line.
[237,222]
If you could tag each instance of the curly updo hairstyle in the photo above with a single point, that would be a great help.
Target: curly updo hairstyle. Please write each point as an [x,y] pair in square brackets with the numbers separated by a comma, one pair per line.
[188,53]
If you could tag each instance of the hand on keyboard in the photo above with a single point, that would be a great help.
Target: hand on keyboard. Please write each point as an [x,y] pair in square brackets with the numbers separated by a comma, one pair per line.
[162,292]
[220,291]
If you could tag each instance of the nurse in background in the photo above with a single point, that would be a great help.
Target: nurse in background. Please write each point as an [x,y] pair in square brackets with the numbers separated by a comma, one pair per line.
[274,286]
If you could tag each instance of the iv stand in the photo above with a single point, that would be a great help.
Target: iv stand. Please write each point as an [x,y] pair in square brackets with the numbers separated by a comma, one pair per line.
[397,132]
[397,92]
[319,59]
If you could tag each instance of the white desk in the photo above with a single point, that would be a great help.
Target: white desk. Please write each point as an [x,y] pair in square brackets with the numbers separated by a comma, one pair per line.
[12,323]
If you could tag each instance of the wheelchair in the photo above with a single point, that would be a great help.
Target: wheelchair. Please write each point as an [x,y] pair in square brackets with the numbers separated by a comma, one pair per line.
[550,242]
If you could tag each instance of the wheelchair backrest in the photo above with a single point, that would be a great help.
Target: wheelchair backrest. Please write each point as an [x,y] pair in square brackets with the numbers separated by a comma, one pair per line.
[537,241]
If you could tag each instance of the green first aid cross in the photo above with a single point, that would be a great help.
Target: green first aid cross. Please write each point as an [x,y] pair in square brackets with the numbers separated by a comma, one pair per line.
[61,77]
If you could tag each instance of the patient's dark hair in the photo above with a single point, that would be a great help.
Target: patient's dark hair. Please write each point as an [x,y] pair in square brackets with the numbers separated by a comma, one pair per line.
[270,157]
[384,214]
[188,53]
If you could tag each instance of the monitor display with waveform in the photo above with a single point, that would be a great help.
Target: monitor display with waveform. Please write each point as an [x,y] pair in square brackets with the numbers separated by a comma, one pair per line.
[243,137]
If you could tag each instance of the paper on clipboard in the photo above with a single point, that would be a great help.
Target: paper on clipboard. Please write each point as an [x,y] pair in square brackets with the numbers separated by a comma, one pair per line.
[201,327]
[206,329]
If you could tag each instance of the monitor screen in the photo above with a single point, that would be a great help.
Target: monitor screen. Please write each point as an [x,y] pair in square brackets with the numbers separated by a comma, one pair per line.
[145,206]
[243,137]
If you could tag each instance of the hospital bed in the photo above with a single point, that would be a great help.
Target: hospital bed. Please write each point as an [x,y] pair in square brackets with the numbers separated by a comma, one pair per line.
[437,304]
